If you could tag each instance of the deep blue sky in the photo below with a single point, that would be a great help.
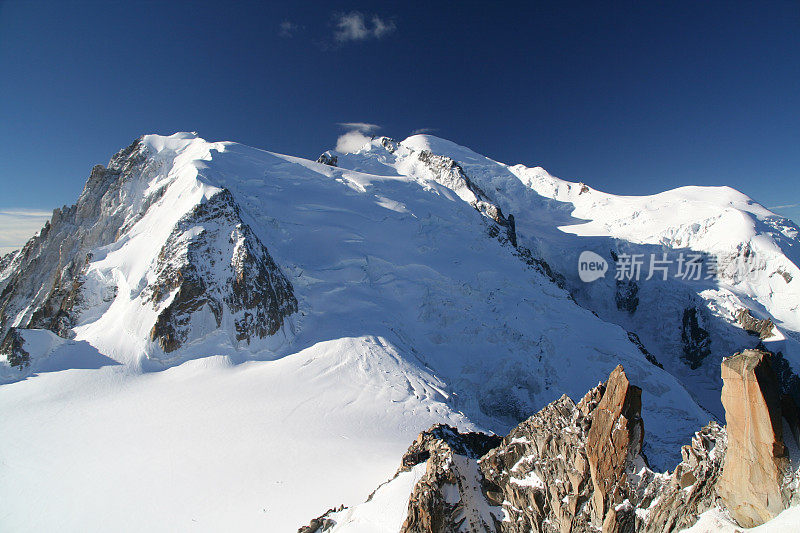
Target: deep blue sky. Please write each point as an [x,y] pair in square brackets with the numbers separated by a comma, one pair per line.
[632,98]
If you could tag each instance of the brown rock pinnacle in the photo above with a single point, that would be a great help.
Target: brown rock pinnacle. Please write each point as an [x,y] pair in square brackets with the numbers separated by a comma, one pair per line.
[615,438]
[756,460]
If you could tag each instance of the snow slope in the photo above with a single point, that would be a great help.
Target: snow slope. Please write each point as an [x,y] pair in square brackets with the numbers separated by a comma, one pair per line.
[410,312]
[715,521]
[208,445]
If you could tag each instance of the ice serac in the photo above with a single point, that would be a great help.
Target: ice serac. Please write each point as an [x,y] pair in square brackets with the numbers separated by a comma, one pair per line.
[752,484]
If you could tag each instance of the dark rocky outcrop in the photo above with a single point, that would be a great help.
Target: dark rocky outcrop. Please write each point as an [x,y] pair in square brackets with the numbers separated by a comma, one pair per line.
[449,173]
[626,295]
[674,502]
[327,158]
[788,380]
[12,348]
[321,523]
[571,467]
[7,260]
[763,328]
[221,267]
[634,338]
[695,339]
[448,455]
[212,260]
[56,313]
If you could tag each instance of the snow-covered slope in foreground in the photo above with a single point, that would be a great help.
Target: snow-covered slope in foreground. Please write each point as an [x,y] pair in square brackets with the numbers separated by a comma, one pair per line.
[207,446]
[389,298]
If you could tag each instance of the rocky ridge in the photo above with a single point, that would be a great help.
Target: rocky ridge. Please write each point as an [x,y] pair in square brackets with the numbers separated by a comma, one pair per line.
[41,285]
[580,467]
[213,260]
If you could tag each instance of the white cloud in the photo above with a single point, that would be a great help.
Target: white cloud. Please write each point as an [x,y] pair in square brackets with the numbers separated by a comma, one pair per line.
[424,130]
[363,127]
[19,225]
[787,206]
[357,136]
[354,26]
[351,142]
[288,28]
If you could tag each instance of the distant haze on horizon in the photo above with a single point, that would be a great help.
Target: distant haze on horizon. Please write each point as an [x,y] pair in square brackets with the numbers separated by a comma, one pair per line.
[631,99]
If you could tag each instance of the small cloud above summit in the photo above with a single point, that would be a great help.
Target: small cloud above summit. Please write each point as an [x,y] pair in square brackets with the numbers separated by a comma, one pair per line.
[354,26]
[421,131]
[363,127]
[357,136]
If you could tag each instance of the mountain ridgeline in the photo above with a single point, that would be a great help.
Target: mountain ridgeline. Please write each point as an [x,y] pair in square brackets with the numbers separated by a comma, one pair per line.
[444,287]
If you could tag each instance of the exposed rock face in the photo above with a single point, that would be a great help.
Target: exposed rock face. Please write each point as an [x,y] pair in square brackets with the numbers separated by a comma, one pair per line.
[212,261]
[5,263]
[752,482]
[321,523]
[634,338]
[449,497]
[613,444]
[788,380]
[570,467]
[449,173]
[673,502]
[540,472]
[327,158]
[626,295]
[212,270]
[762,328]
[696,340]
[40,285]
[12,348]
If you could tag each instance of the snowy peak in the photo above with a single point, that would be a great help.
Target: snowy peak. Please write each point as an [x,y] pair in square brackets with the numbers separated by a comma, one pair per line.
[152,248]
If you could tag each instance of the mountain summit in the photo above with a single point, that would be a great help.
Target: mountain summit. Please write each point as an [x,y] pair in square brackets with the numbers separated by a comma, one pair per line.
[300,321]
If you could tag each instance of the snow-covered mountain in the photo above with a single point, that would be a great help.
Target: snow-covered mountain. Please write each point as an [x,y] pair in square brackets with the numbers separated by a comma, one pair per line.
[212,329]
